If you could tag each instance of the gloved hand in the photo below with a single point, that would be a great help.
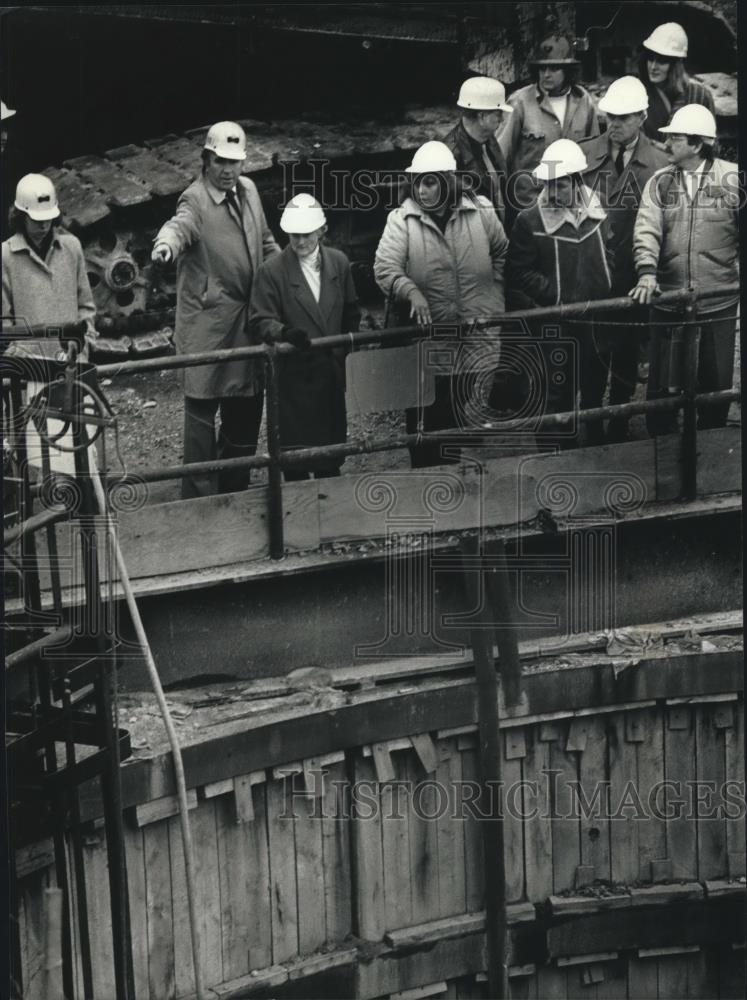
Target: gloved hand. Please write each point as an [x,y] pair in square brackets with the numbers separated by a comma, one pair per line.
[161,253]
[294,335]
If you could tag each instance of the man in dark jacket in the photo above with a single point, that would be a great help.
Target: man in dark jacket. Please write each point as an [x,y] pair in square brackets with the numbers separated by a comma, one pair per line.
[473,141]
[620,163]
[557,254]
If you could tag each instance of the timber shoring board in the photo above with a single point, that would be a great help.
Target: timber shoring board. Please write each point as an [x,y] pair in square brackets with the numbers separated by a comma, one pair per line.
[710,766]
[159,909]
[138,905]
[679,757]
[652,831]
[735,826]
[691,922]
[451,831]
[370,914]
[594,809]
[365,720]
[395,838]
[350,508]
[283,892]
[336,834]
[423,841]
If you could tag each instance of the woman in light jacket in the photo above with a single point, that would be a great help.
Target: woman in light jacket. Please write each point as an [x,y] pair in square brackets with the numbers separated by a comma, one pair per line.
[441,257]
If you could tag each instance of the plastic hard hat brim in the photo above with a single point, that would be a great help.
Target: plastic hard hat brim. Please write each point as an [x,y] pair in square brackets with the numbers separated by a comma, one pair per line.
[40,214]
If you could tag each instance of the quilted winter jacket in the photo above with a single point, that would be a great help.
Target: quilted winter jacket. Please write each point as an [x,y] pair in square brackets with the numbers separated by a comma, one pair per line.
[550,261]
[690,243]
[469,159]
[459,271]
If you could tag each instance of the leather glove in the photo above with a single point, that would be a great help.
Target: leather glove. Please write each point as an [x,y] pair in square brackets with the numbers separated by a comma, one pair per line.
[299,338]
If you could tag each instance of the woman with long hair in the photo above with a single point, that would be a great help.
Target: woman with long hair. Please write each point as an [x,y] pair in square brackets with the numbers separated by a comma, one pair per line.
[662,70]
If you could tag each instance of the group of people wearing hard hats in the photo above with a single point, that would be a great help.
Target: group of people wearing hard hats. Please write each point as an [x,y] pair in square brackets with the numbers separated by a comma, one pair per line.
[523,203]
[646,206]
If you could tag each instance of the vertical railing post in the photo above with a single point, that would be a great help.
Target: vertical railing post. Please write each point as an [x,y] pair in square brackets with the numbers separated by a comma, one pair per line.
[275,474]
[690,386]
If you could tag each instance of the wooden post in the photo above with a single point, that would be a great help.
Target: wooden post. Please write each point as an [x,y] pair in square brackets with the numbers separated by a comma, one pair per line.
[53,989]
[489,745]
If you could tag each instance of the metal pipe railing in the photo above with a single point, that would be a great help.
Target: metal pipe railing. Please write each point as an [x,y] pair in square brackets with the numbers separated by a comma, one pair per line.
[591,307]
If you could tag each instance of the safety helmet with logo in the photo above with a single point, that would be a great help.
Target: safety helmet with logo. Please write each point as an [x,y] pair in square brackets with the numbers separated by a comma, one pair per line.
[483,93]
[432,157]
[555,50]
[226,139]
[668,40]
[693,119]
[5,111]
[561,158]
[302,214]
[36,196]
[624,97]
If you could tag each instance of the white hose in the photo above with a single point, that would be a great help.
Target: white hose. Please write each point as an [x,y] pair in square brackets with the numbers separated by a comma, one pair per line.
[181,785]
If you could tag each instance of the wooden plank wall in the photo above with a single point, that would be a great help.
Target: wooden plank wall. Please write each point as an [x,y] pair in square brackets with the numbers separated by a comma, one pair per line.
[283,871]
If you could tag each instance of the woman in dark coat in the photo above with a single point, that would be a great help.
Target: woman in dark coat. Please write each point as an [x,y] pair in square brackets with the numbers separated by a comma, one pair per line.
[305,293]
[662,71]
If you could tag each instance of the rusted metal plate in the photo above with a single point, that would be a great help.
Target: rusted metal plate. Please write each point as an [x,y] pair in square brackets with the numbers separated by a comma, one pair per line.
[159,176]
[183,153]
[118,188]
[80,203]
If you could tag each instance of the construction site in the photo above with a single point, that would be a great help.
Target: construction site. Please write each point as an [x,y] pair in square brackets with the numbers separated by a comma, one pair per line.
[469,729]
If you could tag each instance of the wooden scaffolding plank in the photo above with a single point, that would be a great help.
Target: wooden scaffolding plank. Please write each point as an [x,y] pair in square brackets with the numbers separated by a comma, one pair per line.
[623,776]
[336,834]
[652,845]
[450,832]
[424,863]
[283,895]
[592,772]
[679,758]
[159,910]
[370,917]
[395,838]
[538,830]
[566,845]
[310,871]
[710,762]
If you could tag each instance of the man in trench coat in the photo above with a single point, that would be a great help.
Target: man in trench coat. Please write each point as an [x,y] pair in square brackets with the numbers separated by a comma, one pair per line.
[306,293]
[219,238]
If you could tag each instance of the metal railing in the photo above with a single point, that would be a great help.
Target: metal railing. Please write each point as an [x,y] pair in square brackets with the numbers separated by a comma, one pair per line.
[683,303]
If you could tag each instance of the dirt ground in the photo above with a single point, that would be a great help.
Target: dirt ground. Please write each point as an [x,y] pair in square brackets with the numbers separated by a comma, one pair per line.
[149,410]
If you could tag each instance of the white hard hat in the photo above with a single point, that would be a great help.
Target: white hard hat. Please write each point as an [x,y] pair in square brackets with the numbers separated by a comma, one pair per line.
[693,119]
[624,96]
[6,112]
[36,196]
[668,40]
[561,158]
[432,157]
[483,93]
[226,139]
[302,214]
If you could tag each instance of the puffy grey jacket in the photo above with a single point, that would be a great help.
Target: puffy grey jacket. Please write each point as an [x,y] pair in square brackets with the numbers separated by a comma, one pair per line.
[685,242]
